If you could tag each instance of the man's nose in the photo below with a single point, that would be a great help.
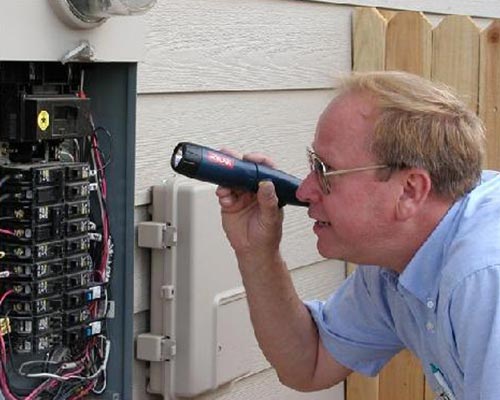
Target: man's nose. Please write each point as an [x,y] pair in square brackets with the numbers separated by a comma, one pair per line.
[309,190]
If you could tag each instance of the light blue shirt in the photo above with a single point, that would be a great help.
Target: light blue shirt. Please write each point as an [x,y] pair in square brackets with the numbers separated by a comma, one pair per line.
[444,307]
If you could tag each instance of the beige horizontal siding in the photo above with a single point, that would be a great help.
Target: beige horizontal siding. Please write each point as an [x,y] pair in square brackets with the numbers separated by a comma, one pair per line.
[227,45]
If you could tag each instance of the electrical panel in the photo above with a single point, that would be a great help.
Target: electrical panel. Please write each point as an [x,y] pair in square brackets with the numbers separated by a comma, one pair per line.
[56,248]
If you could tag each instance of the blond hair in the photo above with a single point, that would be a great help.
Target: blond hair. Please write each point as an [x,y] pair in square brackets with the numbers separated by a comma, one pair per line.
[423,124]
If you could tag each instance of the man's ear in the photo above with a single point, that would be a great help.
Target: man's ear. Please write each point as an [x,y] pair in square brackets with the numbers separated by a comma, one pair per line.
[416,185]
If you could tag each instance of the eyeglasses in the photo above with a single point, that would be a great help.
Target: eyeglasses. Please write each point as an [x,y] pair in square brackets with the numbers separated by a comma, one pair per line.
[323,171]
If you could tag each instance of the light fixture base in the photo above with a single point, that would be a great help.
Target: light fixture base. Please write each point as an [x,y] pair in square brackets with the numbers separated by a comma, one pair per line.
[72,17]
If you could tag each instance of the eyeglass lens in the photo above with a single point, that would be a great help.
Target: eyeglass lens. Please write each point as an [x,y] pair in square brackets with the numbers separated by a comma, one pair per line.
[319,169]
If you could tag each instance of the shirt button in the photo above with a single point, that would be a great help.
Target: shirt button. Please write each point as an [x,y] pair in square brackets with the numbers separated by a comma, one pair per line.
[429,326]
[430,304]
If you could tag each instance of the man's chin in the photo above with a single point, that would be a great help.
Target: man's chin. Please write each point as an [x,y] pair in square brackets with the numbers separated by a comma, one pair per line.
[335,253]
[329,252]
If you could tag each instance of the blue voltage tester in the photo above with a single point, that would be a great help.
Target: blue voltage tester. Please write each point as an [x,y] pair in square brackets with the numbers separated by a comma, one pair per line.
[209,165]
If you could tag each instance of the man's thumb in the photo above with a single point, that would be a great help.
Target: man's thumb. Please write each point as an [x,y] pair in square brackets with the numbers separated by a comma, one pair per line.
[268,200]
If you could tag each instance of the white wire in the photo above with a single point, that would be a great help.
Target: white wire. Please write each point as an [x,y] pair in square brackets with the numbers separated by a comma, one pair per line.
[78,151]
[68,154]
[109,261]
[105,302]
[79,377]
[26,363]
[104,384]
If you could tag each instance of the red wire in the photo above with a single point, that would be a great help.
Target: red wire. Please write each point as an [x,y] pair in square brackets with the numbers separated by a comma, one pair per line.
[85,391]
[4,296]
[4,350]
[3,379]
[105,220]
[100,165]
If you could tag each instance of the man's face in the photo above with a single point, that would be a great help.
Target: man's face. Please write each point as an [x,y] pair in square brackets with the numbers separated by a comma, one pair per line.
[353,220]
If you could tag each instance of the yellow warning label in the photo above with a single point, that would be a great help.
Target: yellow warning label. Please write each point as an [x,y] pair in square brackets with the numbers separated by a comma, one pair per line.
[43,120]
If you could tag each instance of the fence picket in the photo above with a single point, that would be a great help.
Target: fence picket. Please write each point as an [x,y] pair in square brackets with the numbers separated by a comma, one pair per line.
[455,56]
[368,35]
[409,43]
[489,91]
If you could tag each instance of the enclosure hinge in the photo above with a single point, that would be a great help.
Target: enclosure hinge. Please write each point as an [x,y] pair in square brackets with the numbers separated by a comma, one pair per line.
[151,347]
[167,292]
[156,235]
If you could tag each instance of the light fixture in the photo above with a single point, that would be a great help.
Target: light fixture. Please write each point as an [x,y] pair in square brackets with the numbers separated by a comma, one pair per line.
[85,14]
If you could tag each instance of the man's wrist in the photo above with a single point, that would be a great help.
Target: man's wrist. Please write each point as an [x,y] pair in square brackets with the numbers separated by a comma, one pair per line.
[260,260]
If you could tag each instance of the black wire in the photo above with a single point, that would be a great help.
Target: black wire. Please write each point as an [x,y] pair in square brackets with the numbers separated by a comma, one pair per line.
[106,131]
[102,169]
[69,390]
[74,389]
[103,156]
[59,389]
[50,393]
[110,144]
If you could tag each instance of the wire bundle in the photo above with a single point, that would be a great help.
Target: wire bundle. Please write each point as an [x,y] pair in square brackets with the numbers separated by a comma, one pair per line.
[97,160]
[82,370]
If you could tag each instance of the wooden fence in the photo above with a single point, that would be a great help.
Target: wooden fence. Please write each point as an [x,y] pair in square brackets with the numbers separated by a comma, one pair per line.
[460,54]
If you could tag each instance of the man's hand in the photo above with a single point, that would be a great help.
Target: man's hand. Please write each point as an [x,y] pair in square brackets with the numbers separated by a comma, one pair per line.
[283,326]
[252,222]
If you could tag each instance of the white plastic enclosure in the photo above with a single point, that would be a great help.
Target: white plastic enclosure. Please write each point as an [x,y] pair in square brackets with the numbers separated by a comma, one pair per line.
[198,306]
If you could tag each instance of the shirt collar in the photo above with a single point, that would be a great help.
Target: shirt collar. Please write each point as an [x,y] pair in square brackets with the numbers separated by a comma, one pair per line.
[420,277]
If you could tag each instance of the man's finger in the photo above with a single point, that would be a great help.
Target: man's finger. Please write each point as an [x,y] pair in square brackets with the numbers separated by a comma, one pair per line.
[260,158]
[231,152]
[223,191]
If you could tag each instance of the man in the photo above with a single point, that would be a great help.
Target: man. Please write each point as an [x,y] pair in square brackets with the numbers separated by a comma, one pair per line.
[395,186]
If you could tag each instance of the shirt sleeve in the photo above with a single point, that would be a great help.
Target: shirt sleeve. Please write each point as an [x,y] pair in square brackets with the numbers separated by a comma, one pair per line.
[475,323]
[355,323]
